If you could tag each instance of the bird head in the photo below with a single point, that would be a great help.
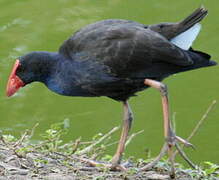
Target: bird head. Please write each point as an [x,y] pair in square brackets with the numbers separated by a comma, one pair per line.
[32,67]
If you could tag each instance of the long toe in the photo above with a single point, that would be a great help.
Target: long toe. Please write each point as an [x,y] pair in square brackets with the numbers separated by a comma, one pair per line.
[111,166]
[184,142]
[115,163]
[118,167]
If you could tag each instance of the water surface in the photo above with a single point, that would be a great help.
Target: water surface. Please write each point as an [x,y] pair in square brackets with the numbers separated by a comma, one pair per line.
[43,25]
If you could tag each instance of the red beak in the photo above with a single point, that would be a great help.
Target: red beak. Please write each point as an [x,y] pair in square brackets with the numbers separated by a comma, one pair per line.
[14,82]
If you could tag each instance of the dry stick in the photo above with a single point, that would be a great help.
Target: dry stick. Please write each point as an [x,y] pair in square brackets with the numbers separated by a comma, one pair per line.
[85,143]
[196,128]
[202,119]
[173,122]
[89,148]
[25,134]
[132,136]
[76,145]
[95,163]
[157,159]
[12,147]
[74,157]
[41,144]
[19,142]
[33,130]
[82,168]
[115,142]
[181,152]
[129,139]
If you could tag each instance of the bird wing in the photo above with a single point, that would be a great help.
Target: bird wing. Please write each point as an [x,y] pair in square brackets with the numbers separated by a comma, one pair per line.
[90,34]
[125,46]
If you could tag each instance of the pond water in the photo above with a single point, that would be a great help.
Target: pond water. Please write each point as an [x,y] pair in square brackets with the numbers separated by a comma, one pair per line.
[43,25]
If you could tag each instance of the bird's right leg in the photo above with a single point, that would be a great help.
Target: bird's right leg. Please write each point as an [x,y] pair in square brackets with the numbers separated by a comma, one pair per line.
[169,134]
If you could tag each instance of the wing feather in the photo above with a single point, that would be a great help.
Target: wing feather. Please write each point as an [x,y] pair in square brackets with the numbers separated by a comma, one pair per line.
[126,47]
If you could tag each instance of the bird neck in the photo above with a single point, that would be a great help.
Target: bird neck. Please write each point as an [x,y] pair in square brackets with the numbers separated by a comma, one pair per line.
[45,66]
[67,76]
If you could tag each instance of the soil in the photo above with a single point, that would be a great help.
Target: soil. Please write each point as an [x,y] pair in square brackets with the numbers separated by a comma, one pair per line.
[57,166]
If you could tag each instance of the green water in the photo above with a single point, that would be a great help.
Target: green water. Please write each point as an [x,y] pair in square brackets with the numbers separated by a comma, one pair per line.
[30,25]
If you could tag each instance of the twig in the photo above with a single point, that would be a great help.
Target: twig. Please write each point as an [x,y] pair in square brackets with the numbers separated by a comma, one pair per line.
[33,130]
[173,122]
[98,152]
[41,144]
[96,164]
[61,154]
[110,144]
[89,148]
[24,135]
[200,122]
[132,136]
[202,119]
[157,159]
[2,139]
[84,168]
[76,145]
[11,147]
[129,139]
[184,156]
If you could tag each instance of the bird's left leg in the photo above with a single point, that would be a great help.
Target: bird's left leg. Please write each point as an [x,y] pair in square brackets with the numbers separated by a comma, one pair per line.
[169,134]
[127,121]
[115,163]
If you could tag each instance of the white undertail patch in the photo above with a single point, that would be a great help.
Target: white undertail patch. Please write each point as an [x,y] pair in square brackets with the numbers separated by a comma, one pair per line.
[185,39]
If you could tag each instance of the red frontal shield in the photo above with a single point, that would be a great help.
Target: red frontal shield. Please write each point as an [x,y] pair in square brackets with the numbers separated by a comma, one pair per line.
[14,82]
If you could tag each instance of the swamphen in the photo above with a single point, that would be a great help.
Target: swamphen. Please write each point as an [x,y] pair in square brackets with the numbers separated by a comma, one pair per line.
[117,58]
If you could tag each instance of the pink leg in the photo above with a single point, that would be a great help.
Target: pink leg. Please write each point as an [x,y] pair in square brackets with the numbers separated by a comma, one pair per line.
[169,135]
[115,164]
[125,130]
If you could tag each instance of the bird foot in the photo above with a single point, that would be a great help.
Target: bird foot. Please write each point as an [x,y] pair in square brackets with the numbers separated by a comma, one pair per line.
[184,142]
[115,163]
[172,141]
[111,166]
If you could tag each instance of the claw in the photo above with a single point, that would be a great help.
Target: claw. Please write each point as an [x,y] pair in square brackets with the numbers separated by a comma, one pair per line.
[117,168]
[113,167]
[183,141]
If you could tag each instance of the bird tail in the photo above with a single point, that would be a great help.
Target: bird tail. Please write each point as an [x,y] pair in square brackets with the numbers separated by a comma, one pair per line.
[192,19]
[200,59]
[188,29]
[171,30]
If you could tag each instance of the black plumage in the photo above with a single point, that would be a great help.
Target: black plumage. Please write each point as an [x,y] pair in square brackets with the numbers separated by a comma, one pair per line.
[129,52]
